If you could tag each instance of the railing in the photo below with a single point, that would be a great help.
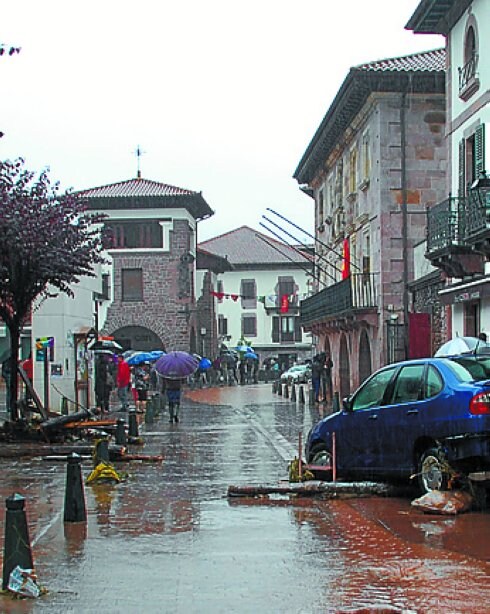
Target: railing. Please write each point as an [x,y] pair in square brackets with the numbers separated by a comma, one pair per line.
[467,72]
[356,292]
[443,229]
[475,215]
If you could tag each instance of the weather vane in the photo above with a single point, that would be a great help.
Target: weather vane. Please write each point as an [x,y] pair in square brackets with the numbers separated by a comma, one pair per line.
[138,152]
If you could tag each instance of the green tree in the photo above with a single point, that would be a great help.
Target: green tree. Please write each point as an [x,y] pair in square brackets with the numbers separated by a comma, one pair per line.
[48,241]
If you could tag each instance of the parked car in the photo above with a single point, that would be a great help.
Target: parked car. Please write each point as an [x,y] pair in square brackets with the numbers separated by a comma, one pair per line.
[428,418]
[299,374]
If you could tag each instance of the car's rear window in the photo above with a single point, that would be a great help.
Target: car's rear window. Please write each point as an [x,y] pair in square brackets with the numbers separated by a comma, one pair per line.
[471,368]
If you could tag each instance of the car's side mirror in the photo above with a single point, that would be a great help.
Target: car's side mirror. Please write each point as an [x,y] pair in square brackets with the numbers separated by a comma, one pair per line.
[347,404]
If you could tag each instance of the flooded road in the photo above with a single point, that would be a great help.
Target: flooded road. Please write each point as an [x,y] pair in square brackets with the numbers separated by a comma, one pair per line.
[169,540]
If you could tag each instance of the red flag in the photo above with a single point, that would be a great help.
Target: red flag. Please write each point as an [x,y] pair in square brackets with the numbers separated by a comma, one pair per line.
[345,259]
[284,303]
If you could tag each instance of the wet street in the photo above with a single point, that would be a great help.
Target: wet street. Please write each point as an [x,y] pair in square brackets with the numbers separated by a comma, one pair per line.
[169,540]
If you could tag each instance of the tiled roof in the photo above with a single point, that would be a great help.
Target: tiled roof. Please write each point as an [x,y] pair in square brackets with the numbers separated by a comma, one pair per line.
[418,73]
[426,61]
[141,193]
[244,246]
[134,187]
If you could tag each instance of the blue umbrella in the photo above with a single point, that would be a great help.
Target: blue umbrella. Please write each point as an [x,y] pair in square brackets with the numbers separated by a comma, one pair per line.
[156,354]
[205,363]
[139,357]
[251,355]
[176,365]
[243,348]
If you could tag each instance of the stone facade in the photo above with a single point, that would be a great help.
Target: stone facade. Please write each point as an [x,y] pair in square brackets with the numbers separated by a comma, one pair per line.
[167,308]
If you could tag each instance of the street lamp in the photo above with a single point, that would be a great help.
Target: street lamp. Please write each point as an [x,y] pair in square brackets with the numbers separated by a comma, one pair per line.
[203,335]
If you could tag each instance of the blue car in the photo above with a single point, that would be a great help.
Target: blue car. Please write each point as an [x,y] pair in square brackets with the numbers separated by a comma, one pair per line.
[427,419]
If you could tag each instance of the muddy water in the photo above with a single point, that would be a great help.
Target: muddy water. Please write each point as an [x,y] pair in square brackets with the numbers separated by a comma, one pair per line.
[169,540]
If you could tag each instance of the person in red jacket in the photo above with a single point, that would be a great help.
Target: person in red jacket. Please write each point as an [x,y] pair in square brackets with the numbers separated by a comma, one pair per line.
[123,382]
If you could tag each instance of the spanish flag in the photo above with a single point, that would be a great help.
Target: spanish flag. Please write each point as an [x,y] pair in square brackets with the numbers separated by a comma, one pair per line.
[345,259]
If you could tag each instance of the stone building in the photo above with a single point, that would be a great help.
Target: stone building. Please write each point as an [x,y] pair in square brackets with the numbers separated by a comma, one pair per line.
[149,296]
[376,161]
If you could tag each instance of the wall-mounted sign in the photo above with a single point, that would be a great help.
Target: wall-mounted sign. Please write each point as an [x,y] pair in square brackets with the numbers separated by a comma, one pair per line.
[466,296]
[44,345]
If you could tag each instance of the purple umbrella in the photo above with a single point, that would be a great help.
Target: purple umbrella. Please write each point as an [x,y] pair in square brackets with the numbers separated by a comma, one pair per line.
[176,365]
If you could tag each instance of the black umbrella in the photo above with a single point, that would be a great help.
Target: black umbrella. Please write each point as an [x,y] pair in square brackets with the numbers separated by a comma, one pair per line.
[105,344]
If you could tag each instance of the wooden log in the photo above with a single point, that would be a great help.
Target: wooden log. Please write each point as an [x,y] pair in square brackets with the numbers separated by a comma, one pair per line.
[324,490]
[59,422]
[16,450]
[91,424]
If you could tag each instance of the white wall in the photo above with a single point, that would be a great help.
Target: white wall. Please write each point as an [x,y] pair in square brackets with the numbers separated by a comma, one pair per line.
[60,318]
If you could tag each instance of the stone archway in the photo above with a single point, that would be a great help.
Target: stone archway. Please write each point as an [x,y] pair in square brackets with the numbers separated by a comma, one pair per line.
[344,368]
[138,338]
[365,364]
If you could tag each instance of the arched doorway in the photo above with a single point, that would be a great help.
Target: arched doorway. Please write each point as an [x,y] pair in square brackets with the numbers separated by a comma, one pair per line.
[138,338]
[365,365]
[344,368]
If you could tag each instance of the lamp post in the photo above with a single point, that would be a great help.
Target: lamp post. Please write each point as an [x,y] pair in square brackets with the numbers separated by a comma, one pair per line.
[203,336]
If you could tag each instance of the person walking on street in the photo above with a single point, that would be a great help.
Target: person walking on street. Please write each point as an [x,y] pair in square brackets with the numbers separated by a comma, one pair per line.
[174,393]
[104,383]
[123,382]
[141,384]
[326,378]
[316,371]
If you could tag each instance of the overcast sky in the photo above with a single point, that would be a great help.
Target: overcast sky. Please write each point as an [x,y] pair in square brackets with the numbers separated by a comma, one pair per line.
[222,96]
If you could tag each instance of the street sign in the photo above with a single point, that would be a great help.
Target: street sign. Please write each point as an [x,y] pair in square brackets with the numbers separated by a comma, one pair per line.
[44,345]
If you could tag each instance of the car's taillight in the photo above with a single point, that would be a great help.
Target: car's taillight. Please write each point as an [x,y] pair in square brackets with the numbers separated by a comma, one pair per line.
[480,404]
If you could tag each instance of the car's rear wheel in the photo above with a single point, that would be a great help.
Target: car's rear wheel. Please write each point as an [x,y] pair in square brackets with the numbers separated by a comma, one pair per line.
[434,471]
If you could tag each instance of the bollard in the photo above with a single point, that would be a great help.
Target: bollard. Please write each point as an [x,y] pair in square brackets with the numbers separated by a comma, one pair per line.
[17,547]
[336,402]
[102,450]
[274,387]
[133,424]
[293,392]
[149,413]
[301,398]
[286,392]
[156,404]
[64,406]
[121,438]
[75,509]
[279,389]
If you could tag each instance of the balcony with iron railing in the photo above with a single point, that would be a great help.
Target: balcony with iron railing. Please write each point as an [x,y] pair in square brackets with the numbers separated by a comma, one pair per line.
[451,225]
[468,78]
[345,298]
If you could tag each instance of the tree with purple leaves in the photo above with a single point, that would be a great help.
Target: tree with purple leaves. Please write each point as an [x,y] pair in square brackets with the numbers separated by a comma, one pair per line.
[48,241]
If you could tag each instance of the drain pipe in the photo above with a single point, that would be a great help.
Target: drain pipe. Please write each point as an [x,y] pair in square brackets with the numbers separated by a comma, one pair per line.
[403,144]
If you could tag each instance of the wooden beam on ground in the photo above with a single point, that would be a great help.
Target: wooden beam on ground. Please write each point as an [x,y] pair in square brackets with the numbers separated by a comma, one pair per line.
[323,490]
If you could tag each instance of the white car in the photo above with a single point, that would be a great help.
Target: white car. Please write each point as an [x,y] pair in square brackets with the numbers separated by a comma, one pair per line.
[299,374]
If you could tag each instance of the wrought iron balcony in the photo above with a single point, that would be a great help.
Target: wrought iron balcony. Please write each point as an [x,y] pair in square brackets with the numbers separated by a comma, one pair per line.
[450,226]
[444,229]
[355,293]
[468,80]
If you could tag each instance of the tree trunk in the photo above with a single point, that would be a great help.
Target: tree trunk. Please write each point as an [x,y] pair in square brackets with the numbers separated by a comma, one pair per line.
[13,382]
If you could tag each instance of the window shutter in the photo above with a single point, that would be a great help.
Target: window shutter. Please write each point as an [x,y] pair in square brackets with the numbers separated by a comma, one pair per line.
[479,150]
[275,329]
[462,164]
[297,330]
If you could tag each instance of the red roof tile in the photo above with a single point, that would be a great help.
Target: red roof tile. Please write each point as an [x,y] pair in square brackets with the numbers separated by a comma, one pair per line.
[134,187]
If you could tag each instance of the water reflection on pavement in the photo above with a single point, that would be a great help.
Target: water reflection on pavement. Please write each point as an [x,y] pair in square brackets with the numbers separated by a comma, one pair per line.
[169,540]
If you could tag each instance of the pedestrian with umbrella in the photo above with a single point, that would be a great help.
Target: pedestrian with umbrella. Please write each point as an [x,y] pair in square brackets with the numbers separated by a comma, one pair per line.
[175,367]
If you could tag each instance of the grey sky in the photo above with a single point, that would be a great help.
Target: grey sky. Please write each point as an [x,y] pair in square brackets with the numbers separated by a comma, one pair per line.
[223,97]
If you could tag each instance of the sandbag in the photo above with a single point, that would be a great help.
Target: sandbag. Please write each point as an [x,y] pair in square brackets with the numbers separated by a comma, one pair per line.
[447,502]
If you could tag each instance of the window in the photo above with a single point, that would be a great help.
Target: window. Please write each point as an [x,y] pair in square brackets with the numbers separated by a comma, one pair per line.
[353,171]
[468,76]
[134,235]
[373,392]
[249,326]
[366,158]
[286,329]
[408,386]
[433,384]
[471,159]
[248,293]
[321,204]
[287,287]
[222,325]
[132,284]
